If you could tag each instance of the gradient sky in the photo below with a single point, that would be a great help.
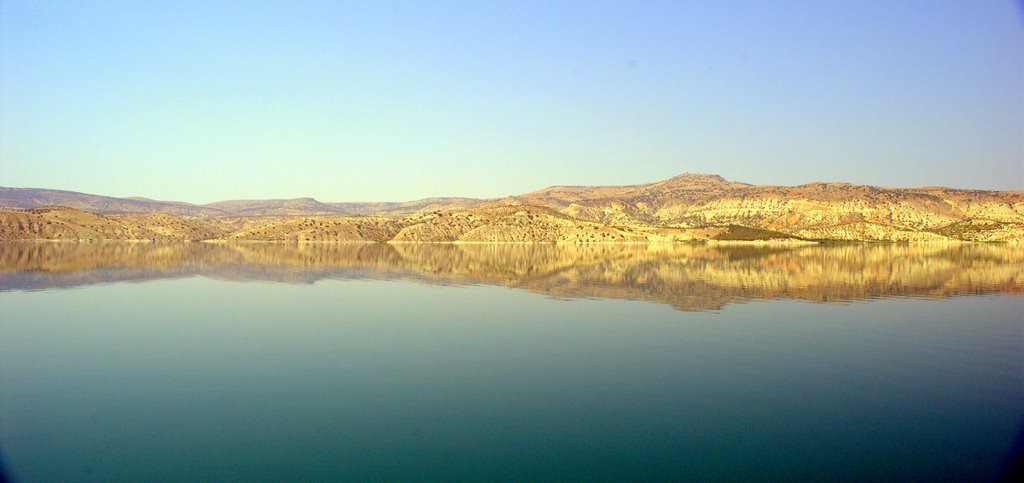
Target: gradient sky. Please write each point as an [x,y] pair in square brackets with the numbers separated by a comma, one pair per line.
[383,100]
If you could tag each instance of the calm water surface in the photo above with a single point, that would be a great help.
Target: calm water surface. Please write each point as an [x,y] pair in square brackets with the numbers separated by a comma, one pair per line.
[440,362]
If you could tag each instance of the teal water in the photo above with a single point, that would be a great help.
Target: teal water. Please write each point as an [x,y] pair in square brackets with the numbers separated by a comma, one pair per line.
[384,373]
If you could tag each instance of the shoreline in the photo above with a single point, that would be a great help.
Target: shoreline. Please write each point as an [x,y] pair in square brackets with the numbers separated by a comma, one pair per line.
[769,242]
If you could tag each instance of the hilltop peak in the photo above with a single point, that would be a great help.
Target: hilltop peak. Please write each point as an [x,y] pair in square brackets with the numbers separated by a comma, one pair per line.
[696,180]
[698,177]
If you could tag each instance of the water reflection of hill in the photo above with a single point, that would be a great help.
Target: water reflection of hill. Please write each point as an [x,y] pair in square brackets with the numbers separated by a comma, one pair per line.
[688,277]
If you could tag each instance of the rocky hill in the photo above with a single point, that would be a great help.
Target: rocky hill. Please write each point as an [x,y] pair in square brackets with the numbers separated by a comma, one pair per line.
[835,211]
[28,198]
[686,207]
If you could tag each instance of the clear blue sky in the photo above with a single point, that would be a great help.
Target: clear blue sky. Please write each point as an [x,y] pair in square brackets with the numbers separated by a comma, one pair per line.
[392,100]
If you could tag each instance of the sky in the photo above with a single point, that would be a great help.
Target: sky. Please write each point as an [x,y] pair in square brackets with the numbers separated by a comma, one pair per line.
[202,101]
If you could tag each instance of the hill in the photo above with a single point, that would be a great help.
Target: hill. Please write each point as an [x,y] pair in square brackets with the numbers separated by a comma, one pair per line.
[686,207]
[834,211]
[27,198]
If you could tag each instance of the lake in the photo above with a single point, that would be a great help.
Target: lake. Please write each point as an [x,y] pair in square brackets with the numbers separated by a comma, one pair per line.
[196,361]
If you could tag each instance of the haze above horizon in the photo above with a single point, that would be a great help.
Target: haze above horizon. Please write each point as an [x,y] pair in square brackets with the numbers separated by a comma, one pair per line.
[366,101]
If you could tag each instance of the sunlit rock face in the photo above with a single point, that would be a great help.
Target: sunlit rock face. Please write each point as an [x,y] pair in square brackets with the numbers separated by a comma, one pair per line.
[835,211]
[688,277]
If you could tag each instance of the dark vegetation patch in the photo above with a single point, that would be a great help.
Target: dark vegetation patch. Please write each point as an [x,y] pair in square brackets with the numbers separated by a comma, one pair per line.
[746,233]
[962,229]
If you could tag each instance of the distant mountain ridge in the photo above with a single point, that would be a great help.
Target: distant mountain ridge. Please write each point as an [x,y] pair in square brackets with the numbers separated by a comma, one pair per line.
[685,207]
[28,198]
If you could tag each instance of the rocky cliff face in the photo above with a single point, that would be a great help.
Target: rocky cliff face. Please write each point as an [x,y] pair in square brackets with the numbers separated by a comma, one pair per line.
[686,207]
